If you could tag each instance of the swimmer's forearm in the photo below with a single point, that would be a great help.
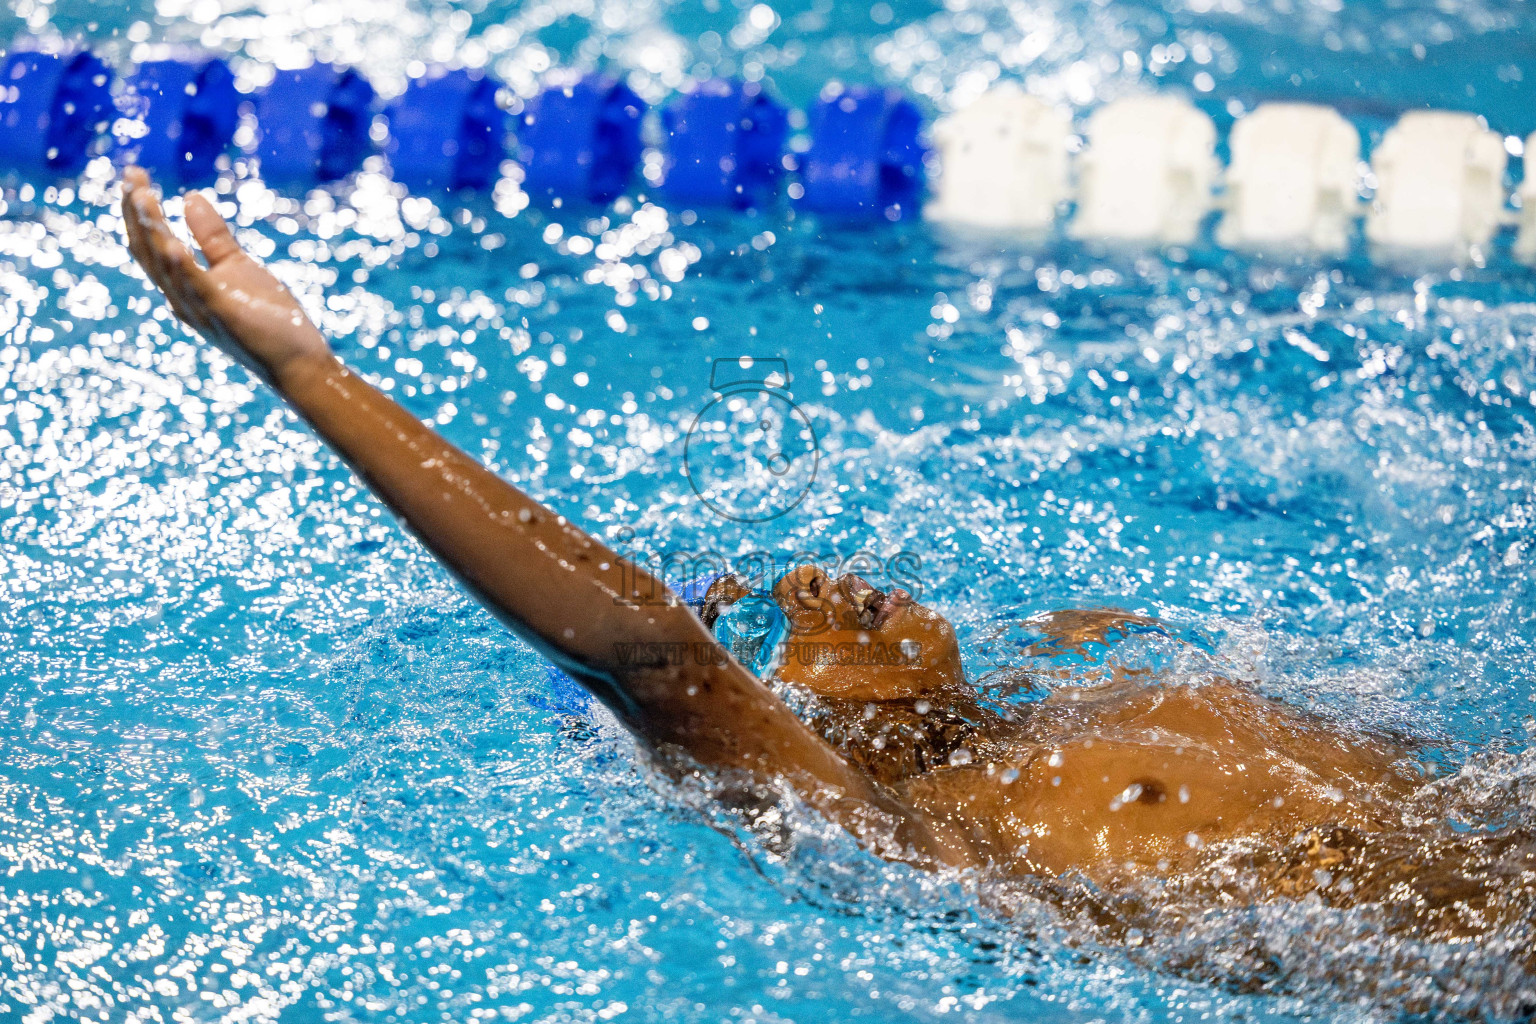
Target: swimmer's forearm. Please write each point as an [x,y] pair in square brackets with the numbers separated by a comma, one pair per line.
[564,590]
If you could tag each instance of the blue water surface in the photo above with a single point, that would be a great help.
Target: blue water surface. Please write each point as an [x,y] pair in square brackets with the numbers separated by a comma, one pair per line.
[261,759]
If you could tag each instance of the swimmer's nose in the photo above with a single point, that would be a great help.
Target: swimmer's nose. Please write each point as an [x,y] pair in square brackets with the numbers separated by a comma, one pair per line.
[872,606]
[809,585]
[896,600]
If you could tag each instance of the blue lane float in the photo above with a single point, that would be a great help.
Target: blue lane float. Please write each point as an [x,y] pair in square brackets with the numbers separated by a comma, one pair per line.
[448,132]
[52,109]
[866,155]
[188,110]
[725,145]
[580,141]
[313,125]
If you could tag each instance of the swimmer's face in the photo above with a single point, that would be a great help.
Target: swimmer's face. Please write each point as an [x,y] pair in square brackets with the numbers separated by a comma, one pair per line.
[852,640]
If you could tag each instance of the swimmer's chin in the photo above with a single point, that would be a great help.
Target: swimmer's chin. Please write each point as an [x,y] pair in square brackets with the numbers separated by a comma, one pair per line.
[851,640]
[836,681]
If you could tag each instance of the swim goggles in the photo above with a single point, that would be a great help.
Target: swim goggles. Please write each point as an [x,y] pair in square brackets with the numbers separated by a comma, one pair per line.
[753,627]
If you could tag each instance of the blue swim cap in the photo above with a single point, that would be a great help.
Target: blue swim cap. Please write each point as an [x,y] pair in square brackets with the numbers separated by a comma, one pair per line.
[696,590]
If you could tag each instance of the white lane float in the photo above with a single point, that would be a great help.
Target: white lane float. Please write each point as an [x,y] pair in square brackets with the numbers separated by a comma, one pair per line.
[1293,181]
[1439,183]
[1004,163]
[1525,237]
[1147,172]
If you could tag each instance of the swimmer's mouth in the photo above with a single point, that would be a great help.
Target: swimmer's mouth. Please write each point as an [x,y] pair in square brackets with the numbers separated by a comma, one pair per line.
[873,607]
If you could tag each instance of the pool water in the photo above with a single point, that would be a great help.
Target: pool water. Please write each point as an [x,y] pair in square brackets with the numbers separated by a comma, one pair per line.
[261,759]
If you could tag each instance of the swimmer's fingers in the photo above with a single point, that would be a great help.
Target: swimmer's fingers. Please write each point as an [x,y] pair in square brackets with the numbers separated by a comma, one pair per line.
[231,270]
[169,263]
[140,213]
[133,222]
[173,268]
[192,290]
[224,256]
[211,231]
[145,222]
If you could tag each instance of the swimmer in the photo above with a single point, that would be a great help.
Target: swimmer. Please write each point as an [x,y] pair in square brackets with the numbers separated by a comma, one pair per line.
[1114,785]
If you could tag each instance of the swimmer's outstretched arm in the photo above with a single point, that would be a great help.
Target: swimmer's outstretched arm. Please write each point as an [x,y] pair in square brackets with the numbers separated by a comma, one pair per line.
[612,626]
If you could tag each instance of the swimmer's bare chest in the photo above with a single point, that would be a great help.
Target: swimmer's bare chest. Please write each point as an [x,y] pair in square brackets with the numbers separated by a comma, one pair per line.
[1142,781]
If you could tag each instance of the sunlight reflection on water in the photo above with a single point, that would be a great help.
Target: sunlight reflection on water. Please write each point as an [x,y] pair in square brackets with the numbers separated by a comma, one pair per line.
[260,753]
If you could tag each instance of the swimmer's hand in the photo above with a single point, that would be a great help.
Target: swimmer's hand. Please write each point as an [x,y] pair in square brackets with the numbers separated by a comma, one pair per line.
[234,302]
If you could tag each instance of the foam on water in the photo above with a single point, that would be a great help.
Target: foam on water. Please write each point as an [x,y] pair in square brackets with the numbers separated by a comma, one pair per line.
[259,752]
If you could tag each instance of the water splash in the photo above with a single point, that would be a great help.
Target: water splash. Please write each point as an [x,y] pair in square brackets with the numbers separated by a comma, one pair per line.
[262,758]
